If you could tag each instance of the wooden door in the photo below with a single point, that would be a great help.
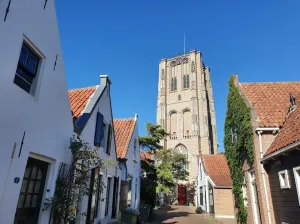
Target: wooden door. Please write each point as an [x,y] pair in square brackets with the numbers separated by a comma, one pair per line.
[181,194]
[31,193]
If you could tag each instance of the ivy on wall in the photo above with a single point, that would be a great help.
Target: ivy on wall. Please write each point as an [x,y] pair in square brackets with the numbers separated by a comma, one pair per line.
[238,145]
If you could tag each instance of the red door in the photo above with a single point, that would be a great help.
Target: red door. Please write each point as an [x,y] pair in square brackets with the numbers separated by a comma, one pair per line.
[181,194]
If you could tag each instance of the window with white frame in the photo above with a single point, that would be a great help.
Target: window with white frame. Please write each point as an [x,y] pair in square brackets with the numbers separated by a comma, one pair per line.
[296,171]
[26,73]
[284,179]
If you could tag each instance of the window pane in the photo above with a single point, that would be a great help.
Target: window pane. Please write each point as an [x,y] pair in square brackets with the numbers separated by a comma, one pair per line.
[21,201]
[34,172]
[30,186]
[24,50]
[34,200]
[39,176]
[27,172]
[32,57]
[22,59]
[27,201]
[24,186]
[37,187]
[31,66]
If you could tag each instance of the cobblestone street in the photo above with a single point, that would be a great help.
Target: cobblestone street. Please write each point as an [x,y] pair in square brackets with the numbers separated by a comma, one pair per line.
[181,215]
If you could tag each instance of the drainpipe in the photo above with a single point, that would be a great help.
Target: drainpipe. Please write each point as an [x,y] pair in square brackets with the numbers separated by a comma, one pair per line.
[259,132]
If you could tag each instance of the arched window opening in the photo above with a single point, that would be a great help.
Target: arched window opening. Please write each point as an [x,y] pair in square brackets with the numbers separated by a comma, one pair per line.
[173,125]
[187,124]
[183,150]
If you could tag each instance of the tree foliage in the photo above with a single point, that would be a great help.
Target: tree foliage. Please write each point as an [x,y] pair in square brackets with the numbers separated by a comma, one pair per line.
[152,141]
[170,169]
[164,174]
[74,181]
[238,117]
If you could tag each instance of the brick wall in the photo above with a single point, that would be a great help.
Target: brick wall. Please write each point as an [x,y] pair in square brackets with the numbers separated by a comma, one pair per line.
[223,200]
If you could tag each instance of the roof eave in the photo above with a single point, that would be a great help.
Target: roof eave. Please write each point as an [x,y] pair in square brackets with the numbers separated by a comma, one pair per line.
[290,147]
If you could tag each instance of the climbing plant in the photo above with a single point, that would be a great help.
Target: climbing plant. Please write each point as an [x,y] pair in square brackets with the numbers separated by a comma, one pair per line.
[74,181]
[238,143]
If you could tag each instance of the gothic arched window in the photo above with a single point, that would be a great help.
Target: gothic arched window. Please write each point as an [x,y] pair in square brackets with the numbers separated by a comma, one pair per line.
[183,150]
[187,123]
[173,123]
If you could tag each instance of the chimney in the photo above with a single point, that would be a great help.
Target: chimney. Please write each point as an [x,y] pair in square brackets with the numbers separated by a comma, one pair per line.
[104,80]
[235,79]
[136,117]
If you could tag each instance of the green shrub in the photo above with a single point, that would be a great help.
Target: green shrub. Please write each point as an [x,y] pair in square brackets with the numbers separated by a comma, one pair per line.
[199,210]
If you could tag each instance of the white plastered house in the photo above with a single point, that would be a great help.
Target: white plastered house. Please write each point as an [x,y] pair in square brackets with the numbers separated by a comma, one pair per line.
[93,122]
[215,187]
[127,140]
[35,117]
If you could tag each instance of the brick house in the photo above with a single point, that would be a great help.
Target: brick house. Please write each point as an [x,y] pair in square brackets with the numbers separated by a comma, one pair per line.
[215,186]
[282,163]
[269,103]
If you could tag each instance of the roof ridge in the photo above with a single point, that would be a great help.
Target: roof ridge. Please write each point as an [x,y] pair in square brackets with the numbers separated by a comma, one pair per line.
[287,82]
[119,119]
[88,87]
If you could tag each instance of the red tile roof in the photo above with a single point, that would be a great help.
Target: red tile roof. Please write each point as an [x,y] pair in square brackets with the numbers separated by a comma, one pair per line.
[270,100]
[123,131]
[79,98]
[288,134]
[217,169]
[146,155]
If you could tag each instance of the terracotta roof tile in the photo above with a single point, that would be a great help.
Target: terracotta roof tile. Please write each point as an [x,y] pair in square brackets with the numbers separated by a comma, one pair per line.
[146,155]
[123,131]
[79,98]
[217,169]
[270,100]
[288,134]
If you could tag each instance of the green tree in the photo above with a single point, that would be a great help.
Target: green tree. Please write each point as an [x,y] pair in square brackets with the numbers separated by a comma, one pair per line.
[170,169]
[164,174]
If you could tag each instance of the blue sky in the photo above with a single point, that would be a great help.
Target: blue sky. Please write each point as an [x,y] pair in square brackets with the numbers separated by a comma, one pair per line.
[258,40]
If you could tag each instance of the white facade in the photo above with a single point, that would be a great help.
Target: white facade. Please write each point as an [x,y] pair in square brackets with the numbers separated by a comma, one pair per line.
[100,102]
[204,182]
[133,165]
[43,114]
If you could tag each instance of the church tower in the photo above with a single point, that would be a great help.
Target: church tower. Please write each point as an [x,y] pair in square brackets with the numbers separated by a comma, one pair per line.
[185,108]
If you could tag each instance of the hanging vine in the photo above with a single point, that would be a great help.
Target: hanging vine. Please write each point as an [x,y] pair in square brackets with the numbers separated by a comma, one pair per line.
[239,149]
[73,182]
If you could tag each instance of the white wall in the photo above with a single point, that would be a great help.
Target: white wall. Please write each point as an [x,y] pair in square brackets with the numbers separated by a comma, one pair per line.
[46,117]
[134,168]
[88,133]
[202,182]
